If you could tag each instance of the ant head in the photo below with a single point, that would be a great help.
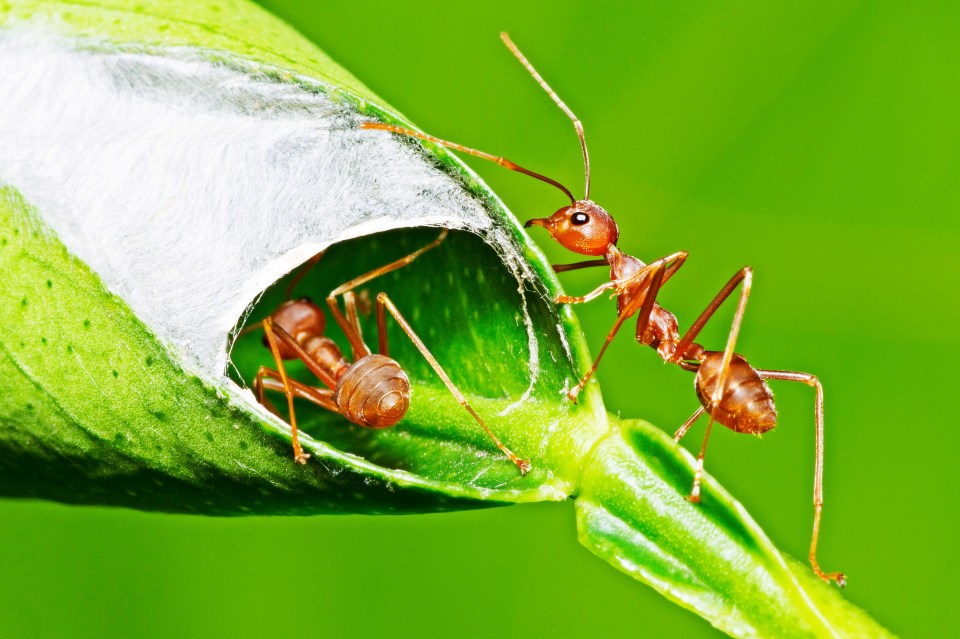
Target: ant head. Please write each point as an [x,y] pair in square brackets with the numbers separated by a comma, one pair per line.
[583,227]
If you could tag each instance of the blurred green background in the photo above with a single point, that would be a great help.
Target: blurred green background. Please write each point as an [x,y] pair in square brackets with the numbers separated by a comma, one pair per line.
[819,143]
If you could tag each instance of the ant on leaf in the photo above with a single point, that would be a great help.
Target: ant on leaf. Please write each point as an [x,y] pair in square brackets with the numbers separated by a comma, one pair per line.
[731,391]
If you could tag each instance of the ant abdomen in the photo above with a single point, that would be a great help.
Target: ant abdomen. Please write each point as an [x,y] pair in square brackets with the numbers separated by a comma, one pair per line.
[374,392]
[746,405]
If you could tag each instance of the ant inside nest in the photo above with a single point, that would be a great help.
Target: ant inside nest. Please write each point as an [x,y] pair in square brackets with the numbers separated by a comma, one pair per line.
[356,311]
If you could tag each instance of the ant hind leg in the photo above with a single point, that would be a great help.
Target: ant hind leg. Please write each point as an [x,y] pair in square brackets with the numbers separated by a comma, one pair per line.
[743,278]
[811,380]
[385,304]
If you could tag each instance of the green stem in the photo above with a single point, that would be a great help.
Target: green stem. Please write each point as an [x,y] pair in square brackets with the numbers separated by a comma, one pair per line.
[709,557]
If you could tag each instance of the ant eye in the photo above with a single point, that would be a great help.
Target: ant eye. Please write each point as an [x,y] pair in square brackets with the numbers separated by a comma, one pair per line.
[579,218]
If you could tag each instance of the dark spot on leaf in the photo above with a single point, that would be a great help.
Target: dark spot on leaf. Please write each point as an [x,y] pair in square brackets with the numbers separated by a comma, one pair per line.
[119,438]
[69,348]
[29,406]
[24,302]
[209,436]
[49,283]
[244,445]
[115,374]
[159,414]
[3,242]
[149,361]
[86,323]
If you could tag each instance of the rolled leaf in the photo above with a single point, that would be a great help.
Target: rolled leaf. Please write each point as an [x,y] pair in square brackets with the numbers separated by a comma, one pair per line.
[162,166]
[159,177]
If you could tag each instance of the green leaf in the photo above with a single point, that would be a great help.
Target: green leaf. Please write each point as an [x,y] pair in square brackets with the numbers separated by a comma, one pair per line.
[710,557]
[114,382]
[95,410]
[107,402]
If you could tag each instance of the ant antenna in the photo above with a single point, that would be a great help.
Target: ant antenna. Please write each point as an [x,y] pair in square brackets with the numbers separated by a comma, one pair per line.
[560,103]
[505,163]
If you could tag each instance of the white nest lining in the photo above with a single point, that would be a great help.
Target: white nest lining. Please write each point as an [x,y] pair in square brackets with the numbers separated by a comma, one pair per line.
[190,187]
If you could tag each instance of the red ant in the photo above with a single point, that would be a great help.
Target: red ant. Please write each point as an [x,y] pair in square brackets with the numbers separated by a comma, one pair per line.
[733,392]
[371,391]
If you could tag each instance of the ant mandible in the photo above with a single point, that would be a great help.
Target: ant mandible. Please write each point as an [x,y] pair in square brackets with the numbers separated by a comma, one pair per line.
[730,390]
[373,391]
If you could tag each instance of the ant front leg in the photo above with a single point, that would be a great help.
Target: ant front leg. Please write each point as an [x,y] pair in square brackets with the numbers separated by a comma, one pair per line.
[630,284]
[589,297]
[642,288]
[299,456]
[278,380]
[811,380]
[384,304]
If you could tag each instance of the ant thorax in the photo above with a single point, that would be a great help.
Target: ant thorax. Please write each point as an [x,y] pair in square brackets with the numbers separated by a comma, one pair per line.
[622,266]
[662,331]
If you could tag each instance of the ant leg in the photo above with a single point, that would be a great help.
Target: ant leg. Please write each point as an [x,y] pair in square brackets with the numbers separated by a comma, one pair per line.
[664,269]
[698,472]
[673,261]
[677,436]
[744,275]
[298,455]
[262,372]
[389,268]
[560,268]
[811,380]
[384,347]
[302,272]
[272,381]
[643,298]
[356,341]
[246,330]
[288,340]
[592,295]
[384,303]
[350,306]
